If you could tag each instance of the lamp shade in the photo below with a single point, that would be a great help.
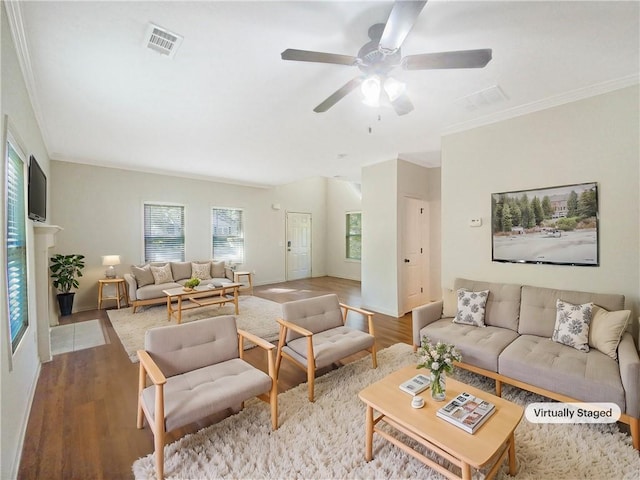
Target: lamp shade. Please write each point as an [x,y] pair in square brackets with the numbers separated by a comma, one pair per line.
[108,260]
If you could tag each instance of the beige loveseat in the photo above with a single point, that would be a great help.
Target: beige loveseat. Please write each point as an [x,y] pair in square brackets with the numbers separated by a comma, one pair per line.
[145,285]
[515,345]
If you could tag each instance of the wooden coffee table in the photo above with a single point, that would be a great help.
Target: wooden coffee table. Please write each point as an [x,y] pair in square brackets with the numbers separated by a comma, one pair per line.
[487,447]
[201,296]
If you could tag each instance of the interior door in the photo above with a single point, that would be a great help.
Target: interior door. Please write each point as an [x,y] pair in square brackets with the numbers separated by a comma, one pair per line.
[298,245]
[414,254]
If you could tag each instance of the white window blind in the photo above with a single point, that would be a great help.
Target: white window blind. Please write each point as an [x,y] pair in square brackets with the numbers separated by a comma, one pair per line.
[227,234]
[354,236]
[16,247]
[163,233]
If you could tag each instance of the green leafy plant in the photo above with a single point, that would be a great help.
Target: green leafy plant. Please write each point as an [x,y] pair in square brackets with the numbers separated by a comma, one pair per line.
[65,270]
[192,283]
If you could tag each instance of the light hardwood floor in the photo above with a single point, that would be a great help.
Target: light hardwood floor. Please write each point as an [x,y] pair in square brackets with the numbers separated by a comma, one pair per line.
[83,418]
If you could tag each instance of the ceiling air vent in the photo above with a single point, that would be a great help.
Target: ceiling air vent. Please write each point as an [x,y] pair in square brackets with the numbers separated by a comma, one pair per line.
[483,98]
[161,40]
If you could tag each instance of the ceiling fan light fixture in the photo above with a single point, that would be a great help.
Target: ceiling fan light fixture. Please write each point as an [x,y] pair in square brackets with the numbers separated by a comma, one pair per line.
[370,89]
[394,88]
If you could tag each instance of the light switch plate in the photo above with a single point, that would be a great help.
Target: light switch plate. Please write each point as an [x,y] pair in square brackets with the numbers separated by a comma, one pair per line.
[475,222]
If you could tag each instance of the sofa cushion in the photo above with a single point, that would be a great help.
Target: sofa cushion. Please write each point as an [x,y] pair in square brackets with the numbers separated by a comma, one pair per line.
[201,270]
[329,346]
[180,270]
[162,274]
[503,304]
[449,303]
[572,325]
[606,330]
[142,275]
[220,386]
[471,307]
[589,376]
[538,307]
[155,291]
[478,346]
[217,269]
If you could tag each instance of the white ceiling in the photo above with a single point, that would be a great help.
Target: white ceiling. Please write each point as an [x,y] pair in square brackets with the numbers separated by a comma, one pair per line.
[226,107]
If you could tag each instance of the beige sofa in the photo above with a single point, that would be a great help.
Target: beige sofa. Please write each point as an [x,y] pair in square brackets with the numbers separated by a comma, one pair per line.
[145,288]
[516,347]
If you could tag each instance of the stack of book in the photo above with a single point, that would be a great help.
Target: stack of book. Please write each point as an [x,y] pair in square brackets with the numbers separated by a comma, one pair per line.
[415,385]
[466,412]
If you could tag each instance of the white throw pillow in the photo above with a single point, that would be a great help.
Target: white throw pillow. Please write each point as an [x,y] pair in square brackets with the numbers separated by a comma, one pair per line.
[449,303]
[606,330]
[201,270]
[572,324]
[471,306]
[162,274]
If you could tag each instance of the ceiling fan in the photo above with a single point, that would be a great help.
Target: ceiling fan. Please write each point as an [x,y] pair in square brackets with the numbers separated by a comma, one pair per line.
[382,54]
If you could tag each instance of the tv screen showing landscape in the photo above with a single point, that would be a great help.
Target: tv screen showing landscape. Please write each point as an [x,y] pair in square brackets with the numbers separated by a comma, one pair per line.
[554,225]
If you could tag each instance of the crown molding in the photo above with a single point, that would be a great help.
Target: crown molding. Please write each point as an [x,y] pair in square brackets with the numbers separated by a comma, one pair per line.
[16,26]
[554,101]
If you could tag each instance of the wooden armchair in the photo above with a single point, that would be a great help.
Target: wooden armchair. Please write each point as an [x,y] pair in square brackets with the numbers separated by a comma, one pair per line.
[313,335]
[196,370]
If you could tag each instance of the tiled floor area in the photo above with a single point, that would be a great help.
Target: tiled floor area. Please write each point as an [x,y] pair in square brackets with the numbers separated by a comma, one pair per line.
[76,336]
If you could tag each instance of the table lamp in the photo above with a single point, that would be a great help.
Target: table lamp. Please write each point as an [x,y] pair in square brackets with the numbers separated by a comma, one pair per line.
[110,261]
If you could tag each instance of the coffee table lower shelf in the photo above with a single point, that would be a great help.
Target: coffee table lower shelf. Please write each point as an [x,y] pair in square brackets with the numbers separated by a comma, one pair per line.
[508,449]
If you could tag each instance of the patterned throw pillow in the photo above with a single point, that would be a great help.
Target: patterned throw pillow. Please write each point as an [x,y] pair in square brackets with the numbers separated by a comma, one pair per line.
[572,324]
[201,270]
[162,274]
[471,306]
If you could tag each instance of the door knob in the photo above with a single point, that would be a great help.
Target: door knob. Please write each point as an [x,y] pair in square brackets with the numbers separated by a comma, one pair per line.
[406,260]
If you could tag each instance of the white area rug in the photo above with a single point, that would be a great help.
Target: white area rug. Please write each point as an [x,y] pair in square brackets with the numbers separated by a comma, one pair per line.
[257,316]
[76,336]
[325,439]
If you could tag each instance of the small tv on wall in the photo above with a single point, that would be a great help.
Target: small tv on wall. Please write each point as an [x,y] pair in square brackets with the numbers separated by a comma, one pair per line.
[37,191]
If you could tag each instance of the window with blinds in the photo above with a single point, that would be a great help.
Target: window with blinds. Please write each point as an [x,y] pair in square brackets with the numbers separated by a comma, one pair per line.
[227,234]
[163,233]
[354,236]
[17,281]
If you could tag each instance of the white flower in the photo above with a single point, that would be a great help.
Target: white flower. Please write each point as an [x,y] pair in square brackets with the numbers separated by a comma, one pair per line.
[435,366]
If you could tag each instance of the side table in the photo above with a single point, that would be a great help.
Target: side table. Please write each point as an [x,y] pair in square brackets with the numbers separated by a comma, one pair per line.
[120,294]
[249,275]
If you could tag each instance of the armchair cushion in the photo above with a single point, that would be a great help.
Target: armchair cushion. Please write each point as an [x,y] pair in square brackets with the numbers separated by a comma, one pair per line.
[176,349]
[194,395]
[330,346]
[314,314]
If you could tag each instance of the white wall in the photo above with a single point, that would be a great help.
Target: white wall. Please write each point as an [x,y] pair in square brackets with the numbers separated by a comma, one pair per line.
[100,210]
[18,372]
[591,140]
[342,197]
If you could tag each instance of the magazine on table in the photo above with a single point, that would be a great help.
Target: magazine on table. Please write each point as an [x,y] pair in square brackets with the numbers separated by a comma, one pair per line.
[466,412]
[415,385]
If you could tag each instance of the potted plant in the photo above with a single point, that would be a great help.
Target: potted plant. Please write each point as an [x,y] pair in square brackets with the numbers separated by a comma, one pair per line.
[65,270]
[191,284]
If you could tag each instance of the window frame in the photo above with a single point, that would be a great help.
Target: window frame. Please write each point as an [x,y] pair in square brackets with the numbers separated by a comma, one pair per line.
[348,236]
[15,340]
[231,260]
[183,208]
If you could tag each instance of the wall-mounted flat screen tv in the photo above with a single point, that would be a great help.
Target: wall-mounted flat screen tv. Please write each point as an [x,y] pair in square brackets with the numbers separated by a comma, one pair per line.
[37,191]
[554,225]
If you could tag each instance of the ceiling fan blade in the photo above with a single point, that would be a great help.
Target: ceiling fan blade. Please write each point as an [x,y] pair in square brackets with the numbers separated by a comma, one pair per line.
[402,105]
[319,57]
[460,59]
[403,15]
[338,95]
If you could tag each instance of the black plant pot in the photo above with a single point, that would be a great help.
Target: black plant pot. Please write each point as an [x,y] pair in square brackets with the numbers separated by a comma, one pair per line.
[65,302]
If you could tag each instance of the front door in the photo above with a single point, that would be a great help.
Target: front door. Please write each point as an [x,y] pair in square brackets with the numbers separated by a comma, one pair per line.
[298,245]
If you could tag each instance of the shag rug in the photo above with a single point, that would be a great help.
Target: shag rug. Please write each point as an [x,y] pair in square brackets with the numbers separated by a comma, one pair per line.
[325,439]
[257,316]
